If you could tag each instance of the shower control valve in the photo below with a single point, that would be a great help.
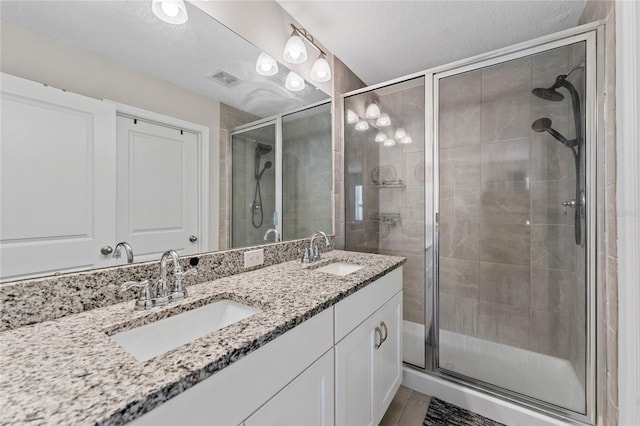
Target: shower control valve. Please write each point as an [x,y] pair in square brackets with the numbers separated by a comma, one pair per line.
[570,203]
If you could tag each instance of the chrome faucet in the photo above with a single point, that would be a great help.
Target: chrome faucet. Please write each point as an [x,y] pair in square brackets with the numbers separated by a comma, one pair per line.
[162,295]
[127,249]
[312,254]
[272,231]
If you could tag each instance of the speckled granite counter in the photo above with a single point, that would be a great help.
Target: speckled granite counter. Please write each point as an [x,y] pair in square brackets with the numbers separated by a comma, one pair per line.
[69,371]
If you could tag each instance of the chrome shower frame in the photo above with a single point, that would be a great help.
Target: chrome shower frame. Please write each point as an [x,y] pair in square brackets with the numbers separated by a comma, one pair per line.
[593,35]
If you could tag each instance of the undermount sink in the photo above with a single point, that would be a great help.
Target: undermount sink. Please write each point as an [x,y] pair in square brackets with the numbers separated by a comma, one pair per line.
[151,340]
[340,268]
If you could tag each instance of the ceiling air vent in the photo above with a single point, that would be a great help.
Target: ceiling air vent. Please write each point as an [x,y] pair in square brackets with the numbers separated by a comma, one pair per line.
[223,77]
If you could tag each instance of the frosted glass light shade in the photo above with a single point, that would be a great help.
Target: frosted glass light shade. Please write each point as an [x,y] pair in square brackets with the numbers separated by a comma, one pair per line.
[294,82]
[170,11]
[352,117]
[406,140]
[295,51]
[380,137]
[362,125]
[373,111]
[390,142]
[384,120]
[266,65]
[400,133]
[321,71]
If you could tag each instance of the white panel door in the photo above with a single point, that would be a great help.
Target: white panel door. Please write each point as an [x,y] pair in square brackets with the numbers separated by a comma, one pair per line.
[388,359]
[355,376]
[308,400]
[57,199]
[157,188]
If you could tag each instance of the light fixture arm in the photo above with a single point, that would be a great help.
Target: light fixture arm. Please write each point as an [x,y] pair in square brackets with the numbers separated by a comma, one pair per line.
[304,34]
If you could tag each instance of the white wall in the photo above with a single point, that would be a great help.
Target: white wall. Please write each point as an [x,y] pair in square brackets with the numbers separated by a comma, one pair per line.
[32,56]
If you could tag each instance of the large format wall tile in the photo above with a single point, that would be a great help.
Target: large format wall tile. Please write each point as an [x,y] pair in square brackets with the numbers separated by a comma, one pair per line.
[546,202]
[460,90]
[550,160]
[504,243]
[459,277]
[503,324]
[466,203]
[460,240]
[552,246]
[459,314]
[460,165]
[505,202]
[550,333]
[507,80]
[505,161]
[506,119]
[504,283]
[459,126]
[552,290]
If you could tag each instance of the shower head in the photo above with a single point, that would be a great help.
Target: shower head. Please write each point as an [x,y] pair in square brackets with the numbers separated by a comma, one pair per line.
[544,125]
[550,94]
[267,165]
[262,149]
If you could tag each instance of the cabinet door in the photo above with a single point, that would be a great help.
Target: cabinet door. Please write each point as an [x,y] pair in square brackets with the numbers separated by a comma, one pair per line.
[57,195]
[388,357]
[355,376]
[308,400]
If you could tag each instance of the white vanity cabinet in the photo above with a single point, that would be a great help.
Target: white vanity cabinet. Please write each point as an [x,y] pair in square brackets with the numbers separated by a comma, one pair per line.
[369,357]
[324,371]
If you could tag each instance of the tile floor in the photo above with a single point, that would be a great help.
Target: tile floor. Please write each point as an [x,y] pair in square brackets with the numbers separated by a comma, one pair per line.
[408,408]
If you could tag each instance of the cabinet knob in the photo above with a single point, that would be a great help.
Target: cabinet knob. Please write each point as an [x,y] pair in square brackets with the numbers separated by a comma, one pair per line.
[193,238]
[378,334]
[106,250]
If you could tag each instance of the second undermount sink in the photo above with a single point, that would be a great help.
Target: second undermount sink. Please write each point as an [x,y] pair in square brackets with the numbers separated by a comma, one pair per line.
[150,340]
[340,268]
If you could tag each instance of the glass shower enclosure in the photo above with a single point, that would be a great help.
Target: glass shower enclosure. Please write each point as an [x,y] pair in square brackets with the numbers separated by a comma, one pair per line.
[281,177]
[492,202]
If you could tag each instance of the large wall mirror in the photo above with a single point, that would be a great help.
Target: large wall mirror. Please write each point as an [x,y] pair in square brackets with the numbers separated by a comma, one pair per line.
[119,127]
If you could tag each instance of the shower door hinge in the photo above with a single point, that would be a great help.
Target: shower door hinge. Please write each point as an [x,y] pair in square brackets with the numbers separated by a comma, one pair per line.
[437,217]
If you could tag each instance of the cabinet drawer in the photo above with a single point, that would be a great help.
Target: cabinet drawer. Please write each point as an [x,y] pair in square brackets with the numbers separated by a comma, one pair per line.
[353,310]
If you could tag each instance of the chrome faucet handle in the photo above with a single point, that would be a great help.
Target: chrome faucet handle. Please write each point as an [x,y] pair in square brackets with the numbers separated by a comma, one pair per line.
[179,291]
[307,254]
[145,301]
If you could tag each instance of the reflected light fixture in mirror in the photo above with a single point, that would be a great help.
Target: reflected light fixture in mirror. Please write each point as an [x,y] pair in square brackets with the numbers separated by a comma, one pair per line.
[294,82]
[321,71]
[406,140]
[295,51]
[266,65]
[384,120]
[380,137]
[390,142]
[170,11]
[352,117]
[362,125]
[373,111]
[400,133]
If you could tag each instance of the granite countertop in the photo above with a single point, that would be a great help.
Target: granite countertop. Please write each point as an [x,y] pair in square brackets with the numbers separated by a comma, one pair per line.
[69,371]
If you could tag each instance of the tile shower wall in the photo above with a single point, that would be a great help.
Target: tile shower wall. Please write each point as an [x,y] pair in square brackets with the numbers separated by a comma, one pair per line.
[510,271]
[307,172]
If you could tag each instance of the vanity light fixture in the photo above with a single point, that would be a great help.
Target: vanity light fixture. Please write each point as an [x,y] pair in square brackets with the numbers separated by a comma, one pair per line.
[373,111]
[266,65]
[384,120]
[295,52]
[406,140]
[400,133]
[362,125]
[390,142]
[321,71]
[380,137]
[294,82]
[170,11]
[352,117]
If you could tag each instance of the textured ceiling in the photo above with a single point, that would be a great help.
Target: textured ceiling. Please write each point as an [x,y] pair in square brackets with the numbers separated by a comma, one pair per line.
[383,40]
